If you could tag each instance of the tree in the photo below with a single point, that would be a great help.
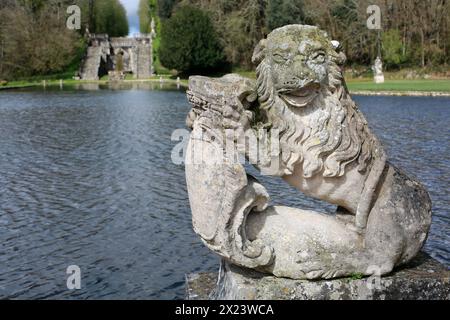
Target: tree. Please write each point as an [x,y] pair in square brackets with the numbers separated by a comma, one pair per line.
[284,12]
[240,25]
[110,17]
[345,12]
[189,43]
[165,8]
[392,49]
[35,40]
[145,16]
[103,16]
[148,11]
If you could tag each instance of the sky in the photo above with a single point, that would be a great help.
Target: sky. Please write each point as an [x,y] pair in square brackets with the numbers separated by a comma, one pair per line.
[132,12]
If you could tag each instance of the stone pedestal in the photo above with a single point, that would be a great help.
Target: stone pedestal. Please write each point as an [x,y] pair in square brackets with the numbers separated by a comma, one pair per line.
[379,78]
[422,279]
[116,75]
[378,70]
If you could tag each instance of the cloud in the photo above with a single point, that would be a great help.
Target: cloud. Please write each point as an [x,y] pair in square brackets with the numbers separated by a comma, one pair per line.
[132,7]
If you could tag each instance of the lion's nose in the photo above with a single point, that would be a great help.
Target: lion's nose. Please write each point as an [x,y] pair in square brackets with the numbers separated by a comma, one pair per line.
[299,81]
[293,82]
[303,73]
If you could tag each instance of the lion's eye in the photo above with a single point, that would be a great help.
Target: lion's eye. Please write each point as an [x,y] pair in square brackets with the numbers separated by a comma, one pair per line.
[279,58]
[319,57]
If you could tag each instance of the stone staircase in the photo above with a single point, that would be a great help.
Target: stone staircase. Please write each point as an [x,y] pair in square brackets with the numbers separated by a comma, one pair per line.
[102,51]
[91,63]
[144,62]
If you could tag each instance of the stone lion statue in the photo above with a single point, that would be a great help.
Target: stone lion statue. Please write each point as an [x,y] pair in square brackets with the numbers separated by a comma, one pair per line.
[325,149]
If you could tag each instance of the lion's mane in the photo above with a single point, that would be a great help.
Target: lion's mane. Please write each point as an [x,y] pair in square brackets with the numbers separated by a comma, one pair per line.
[340,135]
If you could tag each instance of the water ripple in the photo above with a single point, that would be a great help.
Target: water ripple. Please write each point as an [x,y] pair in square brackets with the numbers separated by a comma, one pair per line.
[86,178]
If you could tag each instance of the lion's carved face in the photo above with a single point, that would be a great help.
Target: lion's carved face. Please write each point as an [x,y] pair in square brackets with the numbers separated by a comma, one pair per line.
[298,59]
[302,94]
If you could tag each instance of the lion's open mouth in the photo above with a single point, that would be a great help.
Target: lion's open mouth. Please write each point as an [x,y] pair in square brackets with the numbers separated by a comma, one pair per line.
[301,97]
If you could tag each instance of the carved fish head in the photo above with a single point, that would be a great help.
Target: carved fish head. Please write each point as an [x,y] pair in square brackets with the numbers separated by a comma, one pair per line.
[213,94]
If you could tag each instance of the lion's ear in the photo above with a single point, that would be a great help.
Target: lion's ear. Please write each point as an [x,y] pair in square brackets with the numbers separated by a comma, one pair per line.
[260,52]
[336,46]
[340,57]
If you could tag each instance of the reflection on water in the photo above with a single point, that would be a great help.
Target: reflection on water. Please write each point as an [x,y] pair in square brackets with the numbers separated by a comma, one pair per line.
[86,178]
[134,85]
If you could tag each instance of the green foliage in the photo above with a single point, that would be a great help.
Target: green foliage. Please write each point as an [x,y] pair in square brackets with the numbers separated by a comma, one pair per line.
[144,16]
[159,69]
[32,5]
[284,12]
[436,55]
[240,25]
[165,8]
[189,43]
[103,16]
[33,40]
[393,49]
[345,11]
[148,10]
[110,17]
[356,276]
[237,42]
[38,42]
[401,85]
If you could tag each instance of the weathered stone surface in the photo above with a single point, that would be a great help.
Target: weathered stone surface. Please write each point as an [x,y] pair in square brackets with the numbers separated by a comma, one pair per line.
[298,121]
[102,53]
[116,75]
[200,285]
[422,279]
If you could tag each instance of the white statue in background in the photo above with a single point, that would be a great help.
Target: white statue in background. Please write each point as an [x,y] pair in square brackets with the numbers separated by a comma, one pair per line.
[378,70]
[153,28]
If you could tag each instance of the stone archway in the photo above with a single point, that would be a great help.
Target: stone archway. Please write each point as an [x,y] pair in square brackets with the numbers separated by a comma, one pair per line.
[122,60]
[103,52]
[119,65]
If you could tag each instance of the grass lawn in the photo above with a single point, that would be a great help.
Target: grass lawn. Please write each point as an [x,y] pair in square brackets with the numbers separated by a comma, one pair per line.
[389,85]
[400,85]
[36,83]
[353,84]
[19,84]
[168,79]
